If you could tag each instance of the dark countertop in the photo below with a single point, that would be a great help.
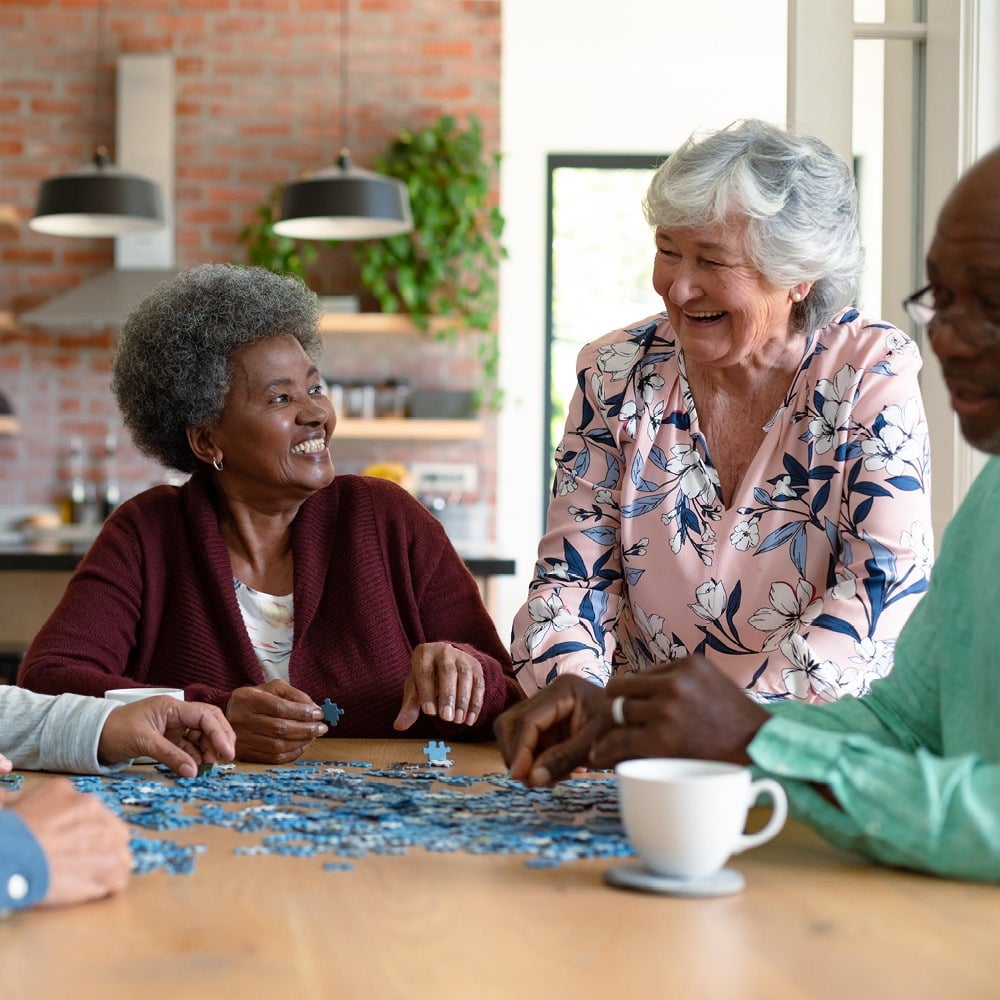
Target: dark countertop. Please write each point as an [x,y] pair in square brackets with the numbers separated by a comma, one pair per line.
[65,556]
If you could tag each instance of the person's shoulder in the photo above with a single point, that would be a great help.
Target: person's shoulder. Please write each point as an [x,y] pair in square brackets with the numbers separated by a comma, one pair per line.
[390,511]
[865,341]
[627,344]
[986,485]
[163,496]
[382,495]
[655,328]
[854,325]
[149,509]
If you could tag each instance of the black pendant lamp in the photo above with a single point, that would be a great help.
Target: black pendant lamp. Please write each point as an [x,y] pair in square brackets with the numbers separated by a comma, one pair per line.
[344,202]
[98,199]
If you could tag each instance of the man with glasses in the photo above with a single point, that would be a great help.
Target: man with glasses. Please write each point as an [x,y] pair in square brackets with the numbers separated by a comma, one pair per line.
[909,774]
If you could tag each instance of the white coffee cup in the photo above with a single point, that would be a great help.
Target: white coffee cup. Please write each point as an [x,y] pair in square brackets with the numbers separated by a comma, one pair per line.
[128,695]
[686,817]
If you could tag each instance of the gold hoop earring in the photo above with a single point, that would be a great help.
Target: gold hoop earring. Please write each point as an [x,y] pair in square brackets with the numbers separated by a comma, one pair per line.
[217,464]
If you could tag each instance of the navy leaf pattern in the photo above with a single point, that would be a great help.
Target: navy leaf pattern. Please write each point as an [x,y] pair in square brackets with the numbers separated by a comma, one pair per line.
[798,585]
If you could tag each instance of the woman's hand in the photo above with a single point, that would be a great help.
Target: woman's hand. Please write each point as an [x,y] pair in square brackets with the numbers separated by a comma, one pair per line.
[180,734]
[85,844]
[5,765]
[443,681]
[546,737]
[274,722]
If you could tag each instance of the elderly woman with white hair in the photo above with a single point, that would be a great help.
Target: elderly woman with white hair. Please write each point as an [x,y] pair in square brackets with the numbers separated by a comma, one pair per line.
[744,475]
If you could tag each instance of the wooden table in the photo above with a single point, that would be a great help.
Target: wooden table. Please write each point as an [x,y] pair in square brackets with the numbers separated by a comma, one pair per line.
[812,923]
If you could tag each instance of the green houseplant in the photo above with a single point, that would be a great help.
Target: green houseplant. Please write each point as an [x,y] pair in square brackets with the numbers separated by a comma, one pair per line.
[447,266]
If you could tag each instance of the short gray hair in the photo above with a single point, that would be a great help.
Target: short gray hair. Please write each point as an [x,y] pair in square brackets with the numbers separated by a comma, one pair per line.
[797,195]
[172,368]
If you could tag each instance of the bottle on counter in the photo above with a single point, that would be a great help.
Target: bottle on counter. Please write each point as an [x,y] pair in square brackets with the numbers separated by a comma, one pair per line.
[75,498]
[110,490]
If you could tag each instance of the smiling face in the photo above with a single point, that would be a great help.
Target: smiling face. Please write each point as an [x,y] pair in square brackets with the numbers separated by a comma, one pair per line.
[963,266]
[275,430]
[723,310]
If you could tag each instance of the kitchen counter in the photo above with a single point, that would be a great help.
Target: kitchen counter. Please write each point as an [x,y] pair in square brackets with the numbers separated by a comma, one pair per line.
[58,556]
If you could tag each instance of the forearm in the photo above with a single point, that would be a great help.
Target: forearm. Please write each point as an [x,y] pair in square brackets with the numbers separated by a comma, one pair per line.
[52,733]
[567,625]
[906,808]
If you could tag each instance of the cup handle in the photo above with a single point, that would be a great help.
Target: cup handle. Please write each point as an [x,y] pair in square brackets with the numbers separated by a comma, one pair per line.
[779,813]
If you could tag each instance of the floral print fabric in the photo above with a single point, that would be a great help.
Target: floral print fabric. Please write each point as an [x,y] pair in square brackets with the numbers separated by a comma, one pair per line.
[798,586]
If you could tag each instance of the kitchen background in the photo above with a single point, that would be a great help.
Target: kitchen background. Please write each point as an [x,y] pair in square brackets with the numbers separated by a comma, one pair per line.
[258,100]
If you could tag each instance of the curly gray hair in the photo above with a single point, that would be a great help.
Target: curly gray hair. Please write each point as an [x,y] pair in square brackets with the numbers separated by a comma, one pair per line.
[172,369]
[799,200]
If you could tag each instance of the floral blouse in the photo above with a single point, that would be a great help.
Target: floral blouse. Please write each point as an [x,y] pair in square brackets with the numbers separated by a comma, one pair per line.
[798,588]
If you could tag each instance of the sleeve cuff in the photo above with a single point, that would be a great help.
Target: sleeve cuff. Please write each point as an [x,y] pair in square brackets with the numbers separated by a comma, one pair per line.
[24,871]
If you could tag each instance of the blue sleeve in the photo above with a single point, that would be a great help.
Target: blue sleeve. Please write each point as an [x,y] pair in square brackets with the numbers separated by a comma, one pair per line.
[24,872]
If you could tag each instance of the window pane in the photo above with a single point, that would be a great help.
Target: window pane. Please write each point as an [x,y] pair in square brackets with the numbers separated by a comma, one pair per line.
[600,264]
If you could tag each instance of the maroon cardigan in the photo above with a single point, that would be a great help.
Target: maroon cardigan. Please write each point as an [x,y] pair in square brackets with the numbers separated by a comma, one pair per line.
[153,603]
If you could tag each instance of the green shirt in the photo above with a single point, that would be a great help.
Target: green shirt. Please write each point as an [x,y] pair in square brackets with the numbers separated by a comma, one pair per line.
[915,765]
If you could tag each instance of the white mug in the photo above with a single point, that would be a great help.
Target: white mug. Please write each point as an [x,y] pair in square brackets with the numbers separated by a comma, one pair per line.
[686,817]
[127,695]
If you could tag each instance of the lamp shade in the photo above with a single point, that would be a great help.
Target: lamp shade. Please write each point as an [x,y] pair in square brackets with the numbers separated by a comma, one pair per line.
[344,202]
[97,200]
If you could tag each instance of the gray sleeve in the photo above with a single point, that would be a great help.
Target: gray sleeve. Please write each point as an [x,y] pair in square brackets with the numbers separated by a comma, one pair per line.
[41,732]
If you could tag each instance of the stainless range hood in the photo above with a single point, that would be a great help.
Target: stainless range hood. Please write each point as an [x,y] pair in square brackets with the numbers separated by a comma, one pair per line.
[144,141]
[98,302]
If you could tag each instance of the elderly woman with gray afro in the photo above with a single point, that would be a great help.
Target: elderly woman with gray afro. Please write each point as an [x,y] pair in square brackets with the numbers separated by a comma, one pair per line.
[745,474]
[294,599]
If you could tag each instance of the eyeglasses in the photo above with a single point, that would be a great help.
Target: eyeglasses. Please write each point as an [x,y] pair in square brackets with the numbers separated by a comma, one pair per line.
[975,331]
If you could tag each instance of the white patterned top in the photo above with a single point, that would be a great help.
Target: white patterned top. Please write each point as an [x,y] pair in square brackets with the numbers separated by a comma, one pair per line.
[270,623]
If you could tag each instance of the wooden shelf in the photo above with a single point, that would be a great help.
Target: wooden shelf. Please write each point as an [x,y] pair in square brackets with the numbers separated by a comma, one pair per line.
[365,323]
[411,430]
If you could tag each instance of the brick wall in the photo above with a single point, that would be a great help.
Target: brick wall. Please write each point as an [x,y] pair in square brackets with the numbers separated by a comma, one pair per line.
[258,100]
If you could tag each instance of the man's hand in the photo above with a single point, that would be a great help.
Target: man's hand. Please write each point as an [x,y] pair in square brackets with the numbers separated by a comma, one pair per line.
[274,722]
[85,844]
[544,738]
[443,681]
[180,734]
[683,709]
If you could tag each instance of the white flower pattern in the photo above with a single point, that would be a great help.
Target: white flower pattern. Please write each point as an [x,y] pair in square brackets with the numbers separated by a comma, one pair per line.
[799,586]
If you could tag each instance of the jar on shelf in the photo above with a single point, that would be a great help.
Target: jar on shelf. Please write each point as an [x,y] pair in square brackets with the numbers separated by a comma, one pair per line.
[391,398]
[359,400]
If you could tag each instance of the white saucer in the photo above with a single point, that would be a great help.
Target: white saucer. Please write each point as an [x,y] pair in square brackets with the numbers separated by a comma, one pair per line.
[638,876]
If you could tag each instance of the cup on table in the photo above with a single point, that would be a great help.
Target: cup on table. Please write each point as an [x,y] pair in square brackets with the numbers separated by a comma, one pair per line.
[127,695]
[686,817]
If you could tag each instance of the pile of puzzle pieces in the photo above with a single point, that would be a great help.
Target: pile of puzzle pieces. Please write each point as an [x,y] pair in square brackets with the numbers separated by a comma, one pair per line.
[349,809]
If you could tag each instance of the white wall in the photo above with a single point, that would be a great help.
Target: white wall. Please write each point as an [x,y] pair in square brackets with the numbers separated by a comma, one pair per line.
[579,76]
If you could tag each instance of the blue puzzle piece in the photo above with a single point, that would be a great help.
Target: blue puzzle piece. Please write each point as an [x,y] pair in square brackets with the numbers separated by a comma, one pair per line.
[331,712]
[437,754]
